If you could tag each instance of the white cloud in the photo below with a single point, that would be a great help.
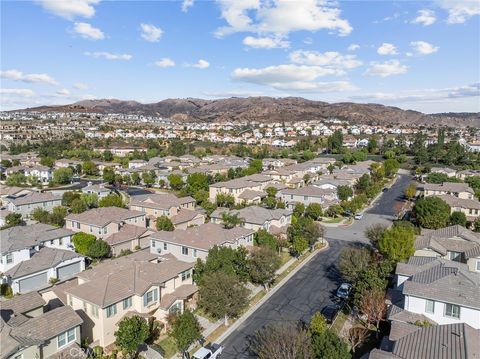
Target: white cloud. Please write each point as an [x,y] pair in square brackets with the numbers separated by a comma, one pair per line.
[425,17]
[16,75]
[87,31]
[63,92]
[108,55]
[81,86]
[165,62]
[331,59]
[291,77]
[17,92]
[353,47]
[387,68]
[265,42]
[460,11]
[151,33]
[186,4]
[281,17]
[308,41]
[201,64]
[387,49]
[70,9]
[423,48]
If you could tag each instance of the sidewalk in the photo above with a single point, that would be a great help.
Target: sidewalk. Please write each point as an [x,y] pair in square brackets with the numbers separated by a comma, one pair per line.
[269,294]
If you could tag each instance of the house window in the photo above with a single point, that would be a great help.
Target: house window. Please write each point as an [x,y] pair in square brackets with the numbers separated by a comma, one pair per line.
[66,338]
[195,253]
[111,310]
[91,229]
[452,310]
[105,230]
[9,258]
[478,266]
[165,246]
[84,306]
[151,296]
[127,303]
[94,311]
[185,275]
[185,251]
[153,244]
[429,306]
[455,256]
[176,308]
[60,242]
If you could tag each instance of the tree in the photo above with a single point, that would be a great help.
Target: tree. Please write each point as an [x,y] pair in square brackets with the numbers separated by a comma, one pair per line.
[186,330]
[264,239]
[99,249]
[82,242]
[437,177]
[197,182]
[458,218]
[263,264]
[329,346]
[285,340]
[363,183]
[299,209]
[135,178]
[40,215]
[163,223]
[353,261]
[357,336]
[175,181]
[68,197]
[62,175]
[47,161]
[410,191]
[256,166]
[223,295]
[344,192]
[16,179]
[111,200]
[57,217]
[6,163]
[177,148]
[318,324]
[374,276]
[299,245]
[373,306]
[398,243]
[335,142]
[89,168]
[148,178]
[334,210]
[391,167]
[230,220]
[223,259]
[109,175]
[225,200]
[107,155]
[432,212]
[375,232]
[13,219]
[314,211]
[78,206]
[90,199]
[476,225]
[306,228]
[132,331]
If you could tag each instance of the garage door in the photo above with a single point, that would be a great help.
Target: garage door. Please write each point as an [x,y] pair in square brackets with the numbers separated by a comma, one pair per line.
[31,283]
[68,270]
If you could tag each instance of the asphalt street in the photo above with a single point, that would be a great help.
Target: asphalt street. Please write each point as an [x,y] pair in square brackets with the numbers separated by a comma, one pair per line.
[313,286]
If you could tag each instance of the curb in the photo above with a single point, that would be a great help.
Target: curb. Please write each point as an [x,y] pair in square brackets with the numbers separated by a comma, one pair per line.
[267,296]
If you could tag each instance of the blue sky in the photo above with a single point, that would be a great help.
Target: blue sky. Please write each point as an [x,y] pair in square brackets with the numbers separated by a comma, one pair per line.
[414,55]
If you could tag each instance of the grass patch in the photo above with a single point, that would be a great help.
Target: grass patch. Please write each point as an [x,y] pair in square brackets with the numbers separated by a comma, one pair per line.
[332,220]
[339,322]
[216,333]
[166,347]
[284,257]
[199,311]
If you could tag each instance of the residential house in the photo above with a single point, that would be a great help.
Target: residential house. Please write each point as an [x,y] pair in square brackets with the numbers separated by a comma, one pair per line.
[3,216]
[29,330]
[450,172]
[43,173]
[195,242]
[99,189]
[128,238]
[27,203]
[460,190]
[236,187]
[104,221]
[470,207]
[307,195]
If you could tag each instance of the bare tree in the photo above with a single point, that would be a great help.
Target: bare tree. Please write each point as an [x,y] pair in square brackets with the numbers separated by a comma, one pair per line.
[286,341]
[375,232]
[357,336]
[373,306]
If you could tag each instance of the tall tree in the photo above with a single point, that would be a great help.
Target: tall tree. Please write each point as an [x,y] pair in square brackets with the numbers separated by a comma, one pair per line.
[398,243]
[373,306]
[263,264]
[230,220]
[163,223]
[132,331]
[353,261]
[186,330]
[432,212]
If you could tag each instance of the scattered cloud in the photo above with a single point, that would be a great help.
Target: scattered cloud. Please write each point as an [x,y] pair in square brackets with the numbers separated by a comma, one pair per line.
[108,55]
[16,75]
[460,11]
[17,92]
[423,48]
[281,17]
[151,33]
[165,62]
[308,41]
[387,68]
[330,59]
[387,49]
[63,92]
[291,77]
[201,64]
[80,86]
[353,47]
[265,42]
[70,9]
[425,17]
[186,4]
[87,31]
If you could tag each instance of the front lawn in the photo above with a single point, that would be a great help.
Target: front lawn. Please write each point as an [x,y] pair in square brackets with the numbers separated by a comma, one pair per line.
[166,347]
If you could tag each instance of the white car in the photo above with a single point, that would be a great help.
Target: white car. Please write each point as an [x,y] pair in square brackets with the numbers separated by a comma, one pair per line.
[359,216]
[210,351]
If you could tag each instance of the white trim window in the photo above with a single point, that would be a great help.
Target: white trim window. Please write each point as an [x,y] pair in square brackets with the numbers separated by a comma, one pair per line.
[452,310]
[478,266]
[111,310]
[127,303]
[66,338]
[429,306]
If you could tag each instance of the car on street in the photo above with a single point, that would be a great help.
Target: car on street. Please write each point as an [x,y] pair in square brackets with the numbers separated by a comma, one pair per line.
[330,312]
[344,290]
[347,213]
[385,190]
[358,216]
[210,351]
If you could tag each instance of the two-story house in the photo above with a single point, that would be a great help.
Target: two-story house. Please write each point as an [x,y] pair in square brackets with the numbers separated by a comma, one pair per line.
[307,195]
[470,207]
[240,189]
[43,173]
[460,190]
[29,330]
[27,203]
[99,189]
[195,242]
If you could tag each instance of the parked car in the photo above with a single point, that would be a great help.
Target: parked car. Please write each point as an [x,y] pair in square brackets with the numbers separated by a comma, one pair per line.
[385,189]
[210,351]
[358,216]
[330,312]
[344,290]
[347,213]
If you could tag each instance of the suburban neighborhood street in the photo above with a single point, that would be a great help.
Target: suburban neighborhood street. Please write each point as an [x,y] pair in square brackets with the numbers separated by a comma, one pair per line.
[313,286]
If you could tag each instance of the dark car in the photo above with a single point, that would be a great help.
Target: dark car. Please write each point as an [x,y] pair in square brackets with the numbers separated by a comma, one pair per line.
[385,189]
[330,312]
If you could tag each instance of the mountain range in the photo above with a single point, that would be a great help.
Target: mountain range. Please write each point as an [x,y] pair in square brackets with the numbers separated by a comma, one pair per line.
[268,109]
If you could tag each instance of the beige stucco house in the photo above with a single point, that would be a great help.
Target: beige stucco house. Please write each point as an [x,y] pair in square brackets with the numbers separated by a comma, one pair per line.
[460,190]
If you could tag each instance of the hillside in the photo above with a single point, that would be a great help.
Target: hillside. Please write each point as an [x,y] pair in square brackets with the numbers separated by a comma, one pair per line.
[267,109]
